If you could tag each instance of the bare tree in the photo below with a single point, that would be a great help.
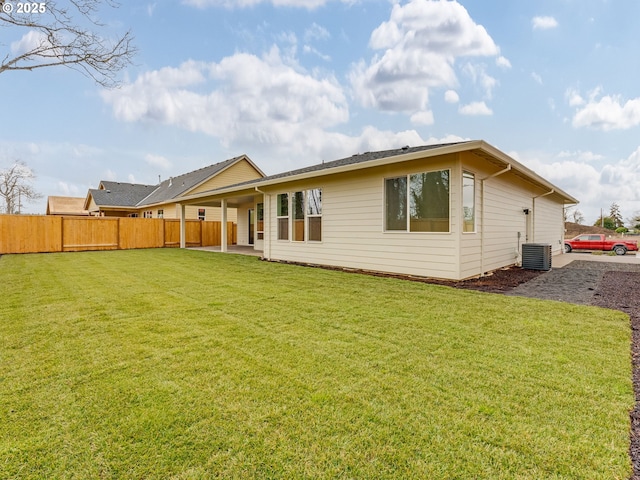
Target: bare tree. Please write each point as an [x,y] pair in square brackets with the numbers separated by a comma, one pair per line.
[15,188]
[573,215]
[67,35]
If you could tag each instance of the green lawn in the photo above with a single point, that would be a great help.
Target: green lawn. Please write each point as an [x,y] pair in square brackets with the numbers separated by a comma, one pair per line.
[188,365]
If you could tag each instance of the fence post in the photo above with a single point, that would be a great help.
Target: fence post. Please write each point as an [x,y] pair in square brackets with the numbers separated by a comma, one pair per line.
[183,226]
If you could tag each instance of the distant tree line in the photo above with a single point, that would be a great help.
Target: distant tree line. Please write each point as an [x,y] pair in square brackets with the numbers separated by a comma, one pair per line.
[611,221]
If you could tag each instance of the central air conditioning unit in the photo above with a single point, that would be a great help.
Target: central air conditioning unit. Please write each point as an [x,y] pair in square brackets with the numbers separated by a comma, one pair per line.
[536,256]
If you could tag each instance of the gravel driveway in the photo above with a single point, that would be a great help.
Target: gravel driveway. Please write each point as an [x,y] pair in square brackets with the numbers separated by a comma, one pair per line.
[576,282]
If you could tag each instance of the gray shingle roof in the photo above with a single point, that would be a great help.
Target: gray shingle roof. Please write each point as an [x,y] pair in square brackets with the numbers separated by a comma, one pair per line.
[358,158]
[117,194]
[353,159]
[176,186]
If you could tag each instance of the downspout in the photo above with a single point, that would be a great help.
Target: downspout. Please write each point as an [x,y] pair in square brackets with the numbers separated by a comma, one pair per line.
[533,219]
[482,212]
[266,229]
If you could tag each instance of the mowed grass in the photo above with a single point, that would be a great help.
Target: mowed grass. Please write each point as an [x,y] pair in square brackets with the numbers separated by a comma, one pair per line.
[188,365]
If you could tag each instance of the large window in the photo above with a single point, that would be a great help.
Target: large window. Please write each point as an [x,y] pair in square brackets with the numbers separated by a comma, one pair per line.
[424,196]
[314,214]
[306,215]
[396,203]
[468,202]
[283,216]
[298,216]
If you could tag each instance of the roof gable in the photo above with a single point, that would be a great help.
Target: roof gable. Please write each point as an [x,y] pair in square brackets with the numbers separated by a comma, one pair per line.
[65,206]
[175,187]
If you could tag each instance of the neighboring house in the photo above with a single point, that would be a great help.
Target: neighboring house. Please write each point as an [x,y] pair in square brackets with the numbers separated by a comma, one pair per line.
[72,206]
[116,199]
[450,211]
[160,201]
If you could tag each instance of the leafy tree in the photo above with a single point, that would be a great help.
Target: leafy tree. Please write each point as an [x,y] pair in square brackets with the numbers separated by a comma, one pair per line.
[615,215]
[15,188]
[607,223]
[69,34]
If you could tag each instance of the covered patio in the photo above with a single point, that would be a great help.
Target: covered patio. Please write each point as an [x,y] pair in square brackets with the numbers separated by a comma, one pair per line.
[248,203]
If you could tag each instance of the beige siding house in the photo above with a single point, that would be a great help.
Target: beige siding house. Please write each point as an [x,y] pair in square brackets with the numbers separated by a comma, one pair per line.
[119,199]
[449,211]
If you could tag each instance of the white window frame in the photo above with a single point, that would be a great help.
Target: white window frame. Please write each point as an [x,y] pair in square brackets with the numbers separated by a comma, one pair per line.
[279,217]
[407,229]
[309,215]
[473,176]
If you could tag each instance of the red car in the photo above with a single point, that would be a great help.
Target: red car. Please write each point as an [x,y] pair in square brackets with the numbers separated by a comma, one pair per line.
[599,242]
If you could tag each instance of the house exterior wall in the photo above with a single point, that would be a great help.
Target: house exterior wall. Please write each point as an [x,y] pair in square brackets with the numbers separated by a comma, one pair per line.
[354,236]
[353,233]
[548,226]
[501,224]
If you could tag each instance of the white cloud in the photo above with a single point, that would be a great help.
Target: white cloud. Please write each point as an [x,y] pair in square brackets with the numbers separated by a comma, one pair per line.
[157,161]
[422,118]
[479,76]
[574,99]
[309,4]
[310,49]
[503,62]
[451,96]
[544,23]
[594,181]
[418,47]
[241,98]
[537,78]
[475,108]
[69,190]
[109,175]
[316,32]
[606,113]
[34,41]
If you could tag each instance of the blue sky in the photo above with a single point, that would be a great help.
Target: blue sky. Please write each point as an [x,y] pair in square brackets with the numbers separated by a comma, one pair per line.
[553,83]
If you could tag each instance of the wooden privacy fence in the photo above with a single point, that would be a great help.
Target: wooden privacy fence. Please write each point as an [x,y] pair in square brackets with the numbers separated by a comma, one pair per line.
[34,234]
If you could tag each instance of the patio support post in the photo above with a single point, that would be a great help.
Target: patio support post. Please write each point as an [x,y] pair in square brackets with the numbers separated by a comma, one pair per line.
[223,231]
[183,226]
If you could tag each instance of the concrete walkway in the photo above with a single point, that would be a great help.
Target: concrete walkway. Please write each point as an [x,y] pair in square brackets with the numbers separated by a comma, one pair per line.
[559,261]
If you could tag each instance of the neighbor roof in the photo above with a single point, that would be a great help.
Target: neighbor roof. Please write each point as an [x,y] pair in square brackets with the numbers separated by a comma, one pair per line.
[65,206]
[133,195]
[117,194]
